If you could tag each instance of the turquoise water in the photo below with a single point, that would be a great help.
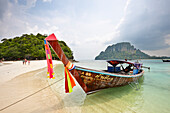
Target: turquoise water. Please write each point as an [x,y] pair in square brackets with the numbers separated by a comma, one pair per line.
[153,96]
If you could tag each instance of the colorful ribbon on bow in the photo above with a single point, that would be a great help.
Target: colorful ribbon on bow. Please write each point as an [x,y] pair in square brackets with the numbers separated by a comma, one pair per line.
[69,81]
[49,60]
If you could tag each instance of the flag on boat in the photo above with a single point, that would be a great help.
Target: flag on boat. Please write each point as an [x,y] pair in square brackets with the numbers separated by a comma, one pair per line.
[69,81]
[49,60]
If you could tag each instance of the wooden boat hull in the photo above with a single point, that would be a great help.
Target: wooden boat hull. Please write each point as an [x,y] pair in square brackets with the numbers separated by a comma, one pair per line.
[95,79]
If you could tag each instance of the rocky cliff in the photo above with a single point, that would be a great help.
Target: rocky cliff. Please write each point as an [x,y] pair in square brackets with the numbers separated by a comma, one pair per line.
[122,50]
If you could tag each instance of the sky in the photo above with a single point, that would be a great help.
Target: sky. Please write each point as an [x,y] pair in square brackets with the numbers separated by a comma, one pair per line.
[89,26]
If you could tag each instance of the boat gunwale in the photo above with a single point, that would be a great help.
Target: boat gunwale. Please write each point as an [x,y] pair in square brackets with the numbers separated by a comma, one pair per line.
[107,73]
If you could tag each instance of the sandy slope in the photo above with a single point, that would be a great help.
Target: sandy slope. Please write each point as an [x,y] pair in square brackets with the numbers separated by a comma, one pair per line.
[14,88]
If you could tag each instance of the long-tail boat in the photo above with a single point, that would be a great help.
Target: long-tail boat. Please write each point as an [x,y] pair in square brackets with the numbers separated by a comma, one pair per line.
[166,60]
[91,80]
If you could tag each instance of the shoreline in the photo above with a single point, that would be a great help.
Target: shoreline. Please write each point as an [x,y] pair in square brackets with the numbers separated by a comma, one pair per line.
[16,68]
[26,80]
[28,83]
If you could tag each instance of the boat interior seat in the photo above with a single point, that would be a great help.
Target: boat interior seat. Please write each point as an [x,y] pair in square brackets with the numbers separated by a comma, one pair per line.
[113,69]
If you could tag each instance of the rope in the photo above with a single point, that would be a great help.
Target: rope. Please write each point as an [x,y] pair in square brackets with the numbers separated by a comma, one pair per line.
[30,95]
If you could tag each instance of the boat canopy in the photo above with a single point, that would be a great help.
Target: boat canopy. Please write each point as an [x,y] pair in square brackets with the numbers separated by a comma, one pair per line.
[114,63]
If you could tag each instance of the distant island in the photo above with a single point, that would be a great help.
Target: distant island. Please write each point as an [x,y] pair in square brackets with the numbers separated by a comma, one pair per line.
[28,46]
[124,50]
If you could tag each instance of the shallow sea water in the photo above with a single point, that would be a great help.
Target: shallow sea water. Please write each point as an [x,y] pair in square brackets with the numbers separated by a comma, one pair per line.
[153,96]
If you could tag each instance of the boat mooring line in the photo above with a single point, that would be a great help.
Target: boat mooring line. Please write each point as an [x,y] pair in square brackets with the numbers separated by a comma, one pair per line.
[30,95]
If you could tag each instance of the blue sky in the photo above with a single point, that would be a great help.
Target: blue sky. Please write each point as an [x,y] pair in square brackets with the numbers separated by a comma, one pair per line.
[89,26]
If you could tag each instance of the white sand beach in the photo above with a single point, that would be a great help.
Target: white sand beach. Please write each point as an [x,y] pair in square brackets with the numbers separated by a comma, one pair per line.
[19,81]
[11,69]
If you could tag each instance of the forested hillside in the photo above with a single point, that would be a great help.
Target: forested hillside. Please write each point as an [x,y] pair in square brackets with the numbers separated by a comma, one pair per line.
[28,46]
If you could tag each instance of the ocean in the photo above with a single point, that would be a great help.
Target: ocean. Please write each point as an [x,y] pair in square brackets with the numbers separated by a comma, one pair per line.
[152,97]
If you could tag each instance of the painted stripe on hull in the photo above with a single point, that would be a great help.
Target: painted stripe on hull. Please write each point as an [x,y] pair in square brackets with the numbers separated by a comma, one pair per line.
[126,76]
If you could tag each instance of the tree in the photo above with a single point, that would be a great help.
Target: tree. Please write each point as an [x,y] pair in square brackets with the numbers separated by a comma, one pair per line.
[28,46]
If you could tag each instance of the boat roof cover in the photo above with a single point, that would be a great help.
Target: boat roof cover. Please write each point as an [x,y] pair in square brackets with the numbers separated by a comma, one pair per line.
[116,62]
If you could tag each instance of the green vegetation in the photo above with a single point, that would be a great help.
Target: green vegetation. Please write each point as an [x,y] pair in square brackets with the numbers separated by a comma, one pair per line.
[30,47]
[124,50]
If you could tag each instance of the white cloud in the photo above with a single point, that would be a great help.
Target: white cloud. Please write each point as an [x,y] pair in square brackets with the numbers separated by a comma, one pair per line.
[160,52]
[47,0]
[146,23]
[16,21]
[87,27]
[30,3]
[167,40]
[126,6]
[85,30]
